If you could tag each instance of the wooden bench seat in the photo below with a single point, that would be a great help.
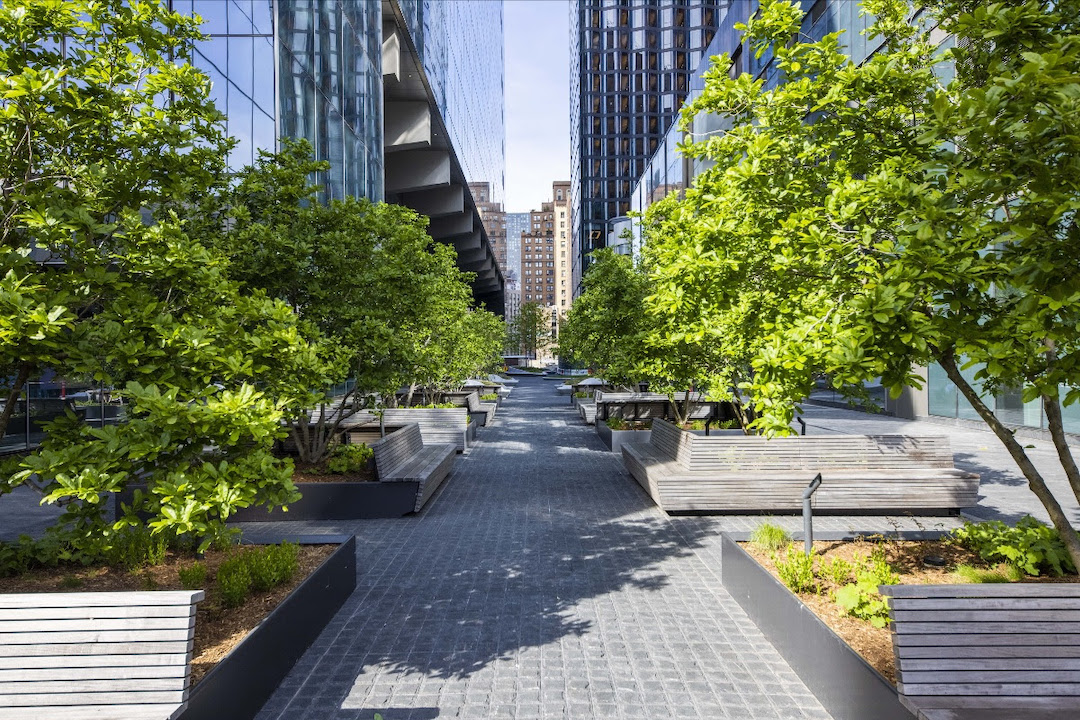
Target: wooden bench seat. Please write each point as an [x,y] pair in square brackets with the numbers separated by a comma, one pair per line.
[587,411]
[684,472]
[437,425]
[987,652]
[483,410]
[108,655]
[402,456]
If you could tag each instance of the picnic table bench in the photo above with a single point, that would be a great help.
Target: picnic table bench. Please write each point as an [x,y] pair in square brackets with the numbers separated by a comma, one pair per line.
[683,472]
[97,655]
[1008,651]
[403,456]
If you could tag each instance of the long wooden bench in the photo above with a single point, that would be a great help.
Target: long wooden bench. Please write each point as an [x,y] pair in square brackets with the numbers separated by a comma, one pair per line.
[403,456]
[646,406]
[483,410]
[437,425]
[987,652]
[687,472]
[96,656]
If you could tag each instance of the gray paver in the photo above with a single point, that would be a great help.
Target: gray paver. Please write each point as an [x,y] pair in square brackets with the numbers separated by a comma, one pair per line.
[541,582]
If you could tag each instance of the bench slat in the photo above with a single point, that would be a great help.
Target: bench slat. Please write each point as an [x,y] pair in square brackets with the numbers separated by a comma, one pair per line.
[74,613]
[108,712]
[90,673]
[100,599]
[48,700]
[984,663]
[995,590]
[1023,618]
[98,649]
[982,689]
[114,686]
[964,677]
[94,636]
[975,639]
[995,603]
[129,623]
[56,663]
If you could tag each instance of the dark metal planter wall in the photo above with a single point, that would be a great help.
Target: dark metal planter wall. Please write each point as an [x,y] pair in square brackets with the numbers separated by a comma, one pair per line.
[245,679]
[845,684]
[341,501]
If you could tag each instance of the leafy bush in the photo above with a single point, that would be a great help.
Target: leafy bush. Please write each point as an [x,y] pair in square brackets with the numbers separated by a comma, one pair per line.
[838,570]
[234,580]
[769,537]
[273,566]
[256,569]
[490,397]
[580,394]
[1030,546]
[134,546]
[346,459]
[861,598]
[1003,573]
[193,576]
[797,571]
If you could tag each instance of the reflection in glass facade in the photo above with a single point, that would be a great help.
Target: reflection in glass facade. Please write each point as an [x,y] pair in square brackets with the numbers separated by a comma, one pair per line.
[634,60]
[461,46]
[324,83]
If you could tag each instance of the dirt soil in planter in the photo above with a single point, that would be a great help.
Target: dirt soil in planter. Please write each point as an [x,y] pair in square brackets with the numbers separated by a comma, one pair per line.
[906,558]
[314,473]
[217,629]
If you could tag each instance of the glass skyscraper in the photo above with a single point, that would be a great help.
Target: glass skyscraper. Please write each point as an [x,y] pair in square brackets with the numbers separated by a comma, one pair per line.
[317,69]
[631,64]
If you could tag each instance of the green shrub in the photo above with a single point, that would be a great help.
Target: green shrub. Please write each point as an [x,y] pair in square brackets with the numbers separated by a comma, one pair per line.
[1003,573]
[580,394]
[273,565]
[256,569]
[234,580]
[193,576]
[134,546]
[490,397]
[861,598]
[797,571]
[838,570]
[347,459]
[1030,546]
[770,538]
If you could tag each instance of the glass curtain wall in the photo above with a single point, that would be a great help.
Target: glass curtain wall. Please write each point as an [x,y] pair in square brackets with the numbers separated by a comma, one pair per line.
[324,84]
[460,44]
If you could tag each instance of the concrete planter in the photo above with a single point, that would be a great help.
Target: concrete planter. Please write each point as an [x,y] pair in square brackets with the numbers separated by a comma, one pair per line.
[614,439]
[845,684]
[245,679]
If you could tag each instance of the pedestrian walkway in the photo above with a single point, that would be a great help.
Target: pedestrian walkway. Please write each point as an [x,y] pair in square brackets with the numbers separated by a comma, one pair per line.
[540,583]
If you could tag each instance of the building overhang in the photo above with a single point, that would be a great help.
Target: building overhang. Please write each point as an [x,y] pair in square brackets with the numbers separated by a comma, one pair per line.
[422,170]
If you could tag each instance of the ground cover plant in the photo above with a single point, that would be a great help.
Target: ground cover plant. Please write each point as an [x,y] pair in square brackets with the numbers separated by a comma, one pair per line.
[839,580]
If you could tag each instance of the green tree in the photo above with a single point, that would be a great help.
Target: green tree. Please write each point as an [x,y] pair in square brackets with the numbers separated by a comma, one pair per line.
[864,219]
[530,330]
[105,127]
[604,325]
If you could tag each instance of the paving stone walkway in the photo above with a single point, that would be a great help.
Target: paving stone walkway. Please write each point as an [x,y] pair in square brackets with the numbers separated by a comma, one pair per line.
[540,582]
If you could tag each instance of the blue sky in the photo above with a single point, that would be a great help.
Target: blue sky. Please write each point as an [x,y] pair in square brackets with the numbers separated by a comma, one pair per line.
[537,87]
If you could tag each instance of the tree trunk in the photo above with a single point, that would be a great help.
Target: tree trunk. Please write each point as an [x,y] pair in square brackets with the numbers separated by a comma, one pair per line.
[1035,480]
[13,397]
[1057,432]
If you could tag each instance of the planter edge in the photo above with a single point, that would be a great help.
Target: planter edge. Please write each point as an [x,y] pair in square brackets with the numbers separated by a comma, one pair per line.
[845,684]
[244,680]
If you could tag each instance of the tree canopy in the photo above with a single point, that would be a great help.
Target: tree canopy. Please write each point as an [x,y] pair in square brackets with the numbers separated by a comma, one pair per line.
[863,219]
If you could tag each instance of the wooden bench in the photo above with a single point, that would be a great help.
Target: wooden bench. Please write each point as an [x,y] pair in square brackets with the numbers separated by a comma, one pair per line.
[646,406]
[403,456]
[483,410]
[106,655]
[587,410]
[687,472]
[987,652]
[437,425]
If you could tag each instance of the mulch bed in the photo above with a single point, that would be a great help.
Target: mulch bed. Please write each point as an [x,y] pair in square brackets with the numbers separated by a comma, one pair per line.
[217,629]
[308,473]
[906,558]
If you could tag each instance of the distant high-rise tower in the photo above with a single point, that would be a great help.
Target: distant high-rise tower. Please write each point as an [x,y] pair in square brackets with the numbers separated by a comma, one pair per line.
[631,62]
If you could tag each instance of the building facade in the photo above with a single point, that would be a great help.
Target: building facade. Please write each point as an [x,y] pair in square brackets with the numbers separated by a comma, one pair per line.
[493,218]
[631,66]
[403,99]
[545,256]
